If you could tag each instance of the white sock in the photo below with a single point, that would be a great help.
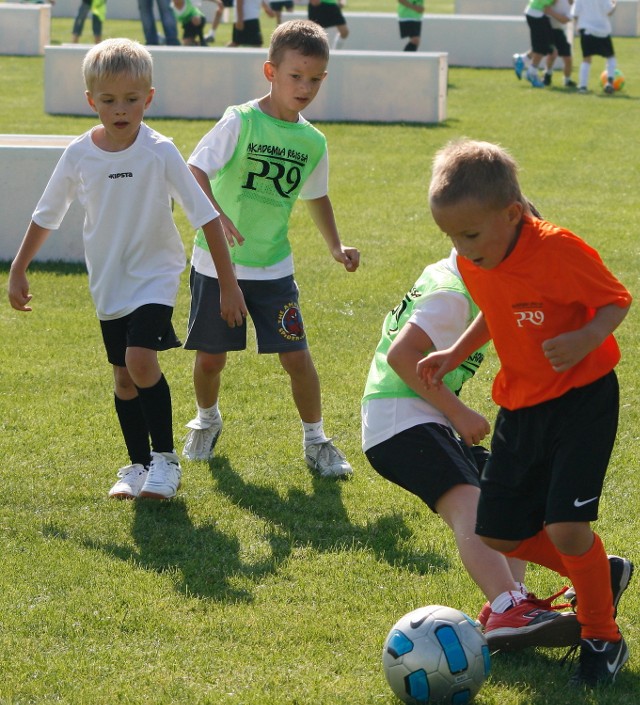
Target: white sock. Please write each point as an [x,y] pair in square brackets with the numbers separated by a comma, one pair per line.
[583,76]
[505,600]
[532,71]
[523,588]
[313,433]
[208,415]
[338,42]
[611,66]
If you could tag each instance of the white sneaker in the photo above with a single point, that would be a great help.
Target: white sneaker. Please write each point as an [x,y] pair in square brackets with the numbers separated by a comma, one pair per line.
[132,478]
[163,478]
[201,439]
[327,460]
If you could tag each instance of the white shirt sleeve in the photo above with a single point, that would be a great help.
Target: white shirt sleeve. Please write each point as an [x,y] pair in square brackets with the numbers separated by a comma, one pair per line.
[443,316]
[216,148]
[57,196]
[186,190]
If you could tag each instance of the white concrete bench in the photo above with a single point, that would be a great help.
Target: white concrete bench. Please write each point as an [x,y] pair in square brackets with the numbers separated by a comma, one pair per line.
[26,163]
[470,40]
[625,21]
[194,82]
[25,30]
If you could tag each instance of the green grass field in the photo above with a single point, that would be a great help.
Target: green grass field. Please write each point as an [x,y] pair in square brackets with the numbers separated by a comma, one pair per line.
[261,584]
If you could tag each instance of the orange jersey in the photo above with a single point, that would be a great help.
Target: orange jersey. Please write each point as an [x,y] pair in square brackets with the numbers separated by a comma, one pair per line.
[551,283]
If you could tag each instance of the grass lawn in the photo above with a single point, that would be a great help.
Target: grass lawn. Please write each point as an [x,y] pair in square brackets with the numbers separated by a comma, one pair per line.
[261,584]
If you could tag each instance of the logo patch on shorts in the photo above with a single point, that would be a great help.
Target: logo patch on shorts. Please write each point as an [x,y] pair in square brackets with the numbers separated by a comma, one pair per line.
[290,322]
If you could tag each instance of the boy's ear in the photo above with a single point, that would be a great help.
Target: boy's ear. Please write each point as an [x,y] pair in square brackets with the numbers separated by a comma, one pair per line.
[269,71]
[514,212]
[90,101]
[147,102]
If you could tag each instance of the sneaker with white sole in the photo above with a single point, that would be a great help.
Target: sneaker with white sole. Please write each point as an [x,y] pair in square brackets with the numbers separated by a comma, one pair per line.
[599,662]
[532,622]
[327,460]
[130,482]
[202,438]
[163,479]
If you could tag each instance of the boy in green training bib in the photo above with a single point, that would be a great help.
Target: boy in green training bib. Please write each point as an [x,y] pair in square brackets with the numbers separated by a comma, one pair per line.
[254,164]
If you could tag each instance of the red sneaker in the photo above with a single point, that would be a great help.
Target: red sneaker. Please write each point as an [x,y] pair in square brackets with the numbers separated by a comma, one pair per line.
[484,614]
[531,623]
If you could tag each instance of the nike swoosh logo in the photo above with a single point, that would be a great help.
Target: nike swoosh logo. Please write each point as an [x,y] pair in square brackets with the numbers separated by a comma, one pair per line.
[579,503]
[613,667]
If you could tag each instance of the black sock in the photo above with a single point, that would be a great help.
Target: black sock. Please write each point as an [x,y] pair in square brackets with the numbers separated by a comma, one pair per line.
[134,429]
[156,406]
[410,46]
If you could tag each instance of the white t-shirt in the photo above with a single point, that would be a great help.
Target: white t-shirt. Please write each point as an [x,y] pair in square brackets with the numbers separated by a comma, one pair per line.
[213,151]
[563,7]
[593,16]
[133,250]
[443,317]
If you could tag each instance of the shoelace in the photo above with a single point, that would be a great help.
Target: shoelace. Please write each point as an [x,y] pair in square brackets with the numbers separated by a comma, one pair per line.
[547,603]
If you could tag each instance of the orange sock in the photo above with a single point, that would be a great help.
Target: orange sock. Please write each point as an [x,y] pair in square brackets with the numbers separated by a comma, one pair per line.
[539,549]
[591,578]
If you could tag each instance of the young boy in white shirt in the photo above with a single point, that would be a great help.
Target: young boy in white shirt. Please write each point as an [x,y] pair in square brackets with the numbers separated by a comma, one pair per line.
[125,175]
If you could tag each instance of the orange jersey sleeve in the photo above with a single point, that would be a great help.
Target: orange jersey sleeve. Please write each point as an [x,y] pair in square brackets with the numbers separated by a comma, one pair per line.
[551,283]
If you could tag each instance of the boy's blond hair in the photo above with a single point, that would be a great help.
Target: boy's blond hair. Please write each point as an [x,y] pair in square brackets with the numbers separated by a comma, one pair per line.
[468,169]
[303,36]
[116,56]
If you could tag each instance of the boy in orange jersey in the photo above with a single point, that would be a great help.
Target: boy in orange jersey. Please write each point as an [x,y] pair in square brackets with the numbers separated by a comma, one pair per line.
[550,306]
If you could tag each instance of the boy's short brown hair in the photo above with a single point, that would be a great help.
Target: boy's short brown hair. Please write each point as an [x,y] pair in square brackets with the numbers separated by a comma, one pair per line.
[469,169]
[303,36]
[116,56]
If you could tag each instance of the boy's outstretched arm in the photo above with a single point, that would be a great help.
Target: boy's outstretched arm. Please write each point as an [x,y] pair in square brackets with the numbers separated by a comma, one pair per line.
[322,214]
[432,368]
[403,356]
[567,349]
[18,287]
[232,306]
[231,232]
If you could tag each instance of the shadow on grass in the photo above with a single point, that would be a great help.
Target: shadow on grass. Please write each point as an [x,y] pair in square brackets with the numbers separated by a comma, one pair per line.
[546,677]
[319,520]
[207,562]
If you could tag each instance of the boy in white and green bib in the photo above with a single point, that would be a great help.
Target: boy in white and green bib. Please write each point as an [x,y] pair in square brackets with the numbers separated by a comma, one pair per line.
[410,20]
[254,164]
[426,441]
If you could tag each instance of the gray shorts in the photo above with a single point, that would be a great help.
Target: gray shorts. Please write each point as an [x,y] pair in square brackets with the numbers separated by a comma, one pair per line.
[272,305]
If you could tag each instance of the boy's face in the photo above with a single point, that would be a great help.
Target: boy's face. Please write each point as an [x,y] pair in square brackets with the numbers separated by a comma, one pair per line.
[295,82]
[120,102]
[483,235]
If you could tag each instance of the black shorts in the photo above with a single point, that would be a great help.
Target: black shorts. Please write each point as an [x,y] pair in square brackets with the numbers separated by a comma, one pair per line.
[427,460]
[410,28]
[147,327]
[560,42]
[192,31]
[548,462]
[250,35]
[541,34]
[326,15]
[272,305]
[595,46]
[281,5]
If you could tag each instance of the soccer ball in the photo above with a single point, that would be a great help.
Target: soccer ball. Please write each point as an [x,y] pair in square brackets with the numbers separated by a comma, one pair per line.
[436,654]
[618,79]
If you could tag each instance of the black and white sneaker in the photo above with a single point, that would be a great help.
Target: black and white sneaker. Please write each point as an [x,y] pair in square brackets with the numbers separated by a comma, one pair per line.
[600,662]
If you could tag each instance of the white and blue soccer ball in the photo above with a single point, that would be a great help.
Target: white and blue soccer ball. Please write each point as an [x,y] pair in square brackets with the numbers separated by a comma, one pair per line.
[436,654]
